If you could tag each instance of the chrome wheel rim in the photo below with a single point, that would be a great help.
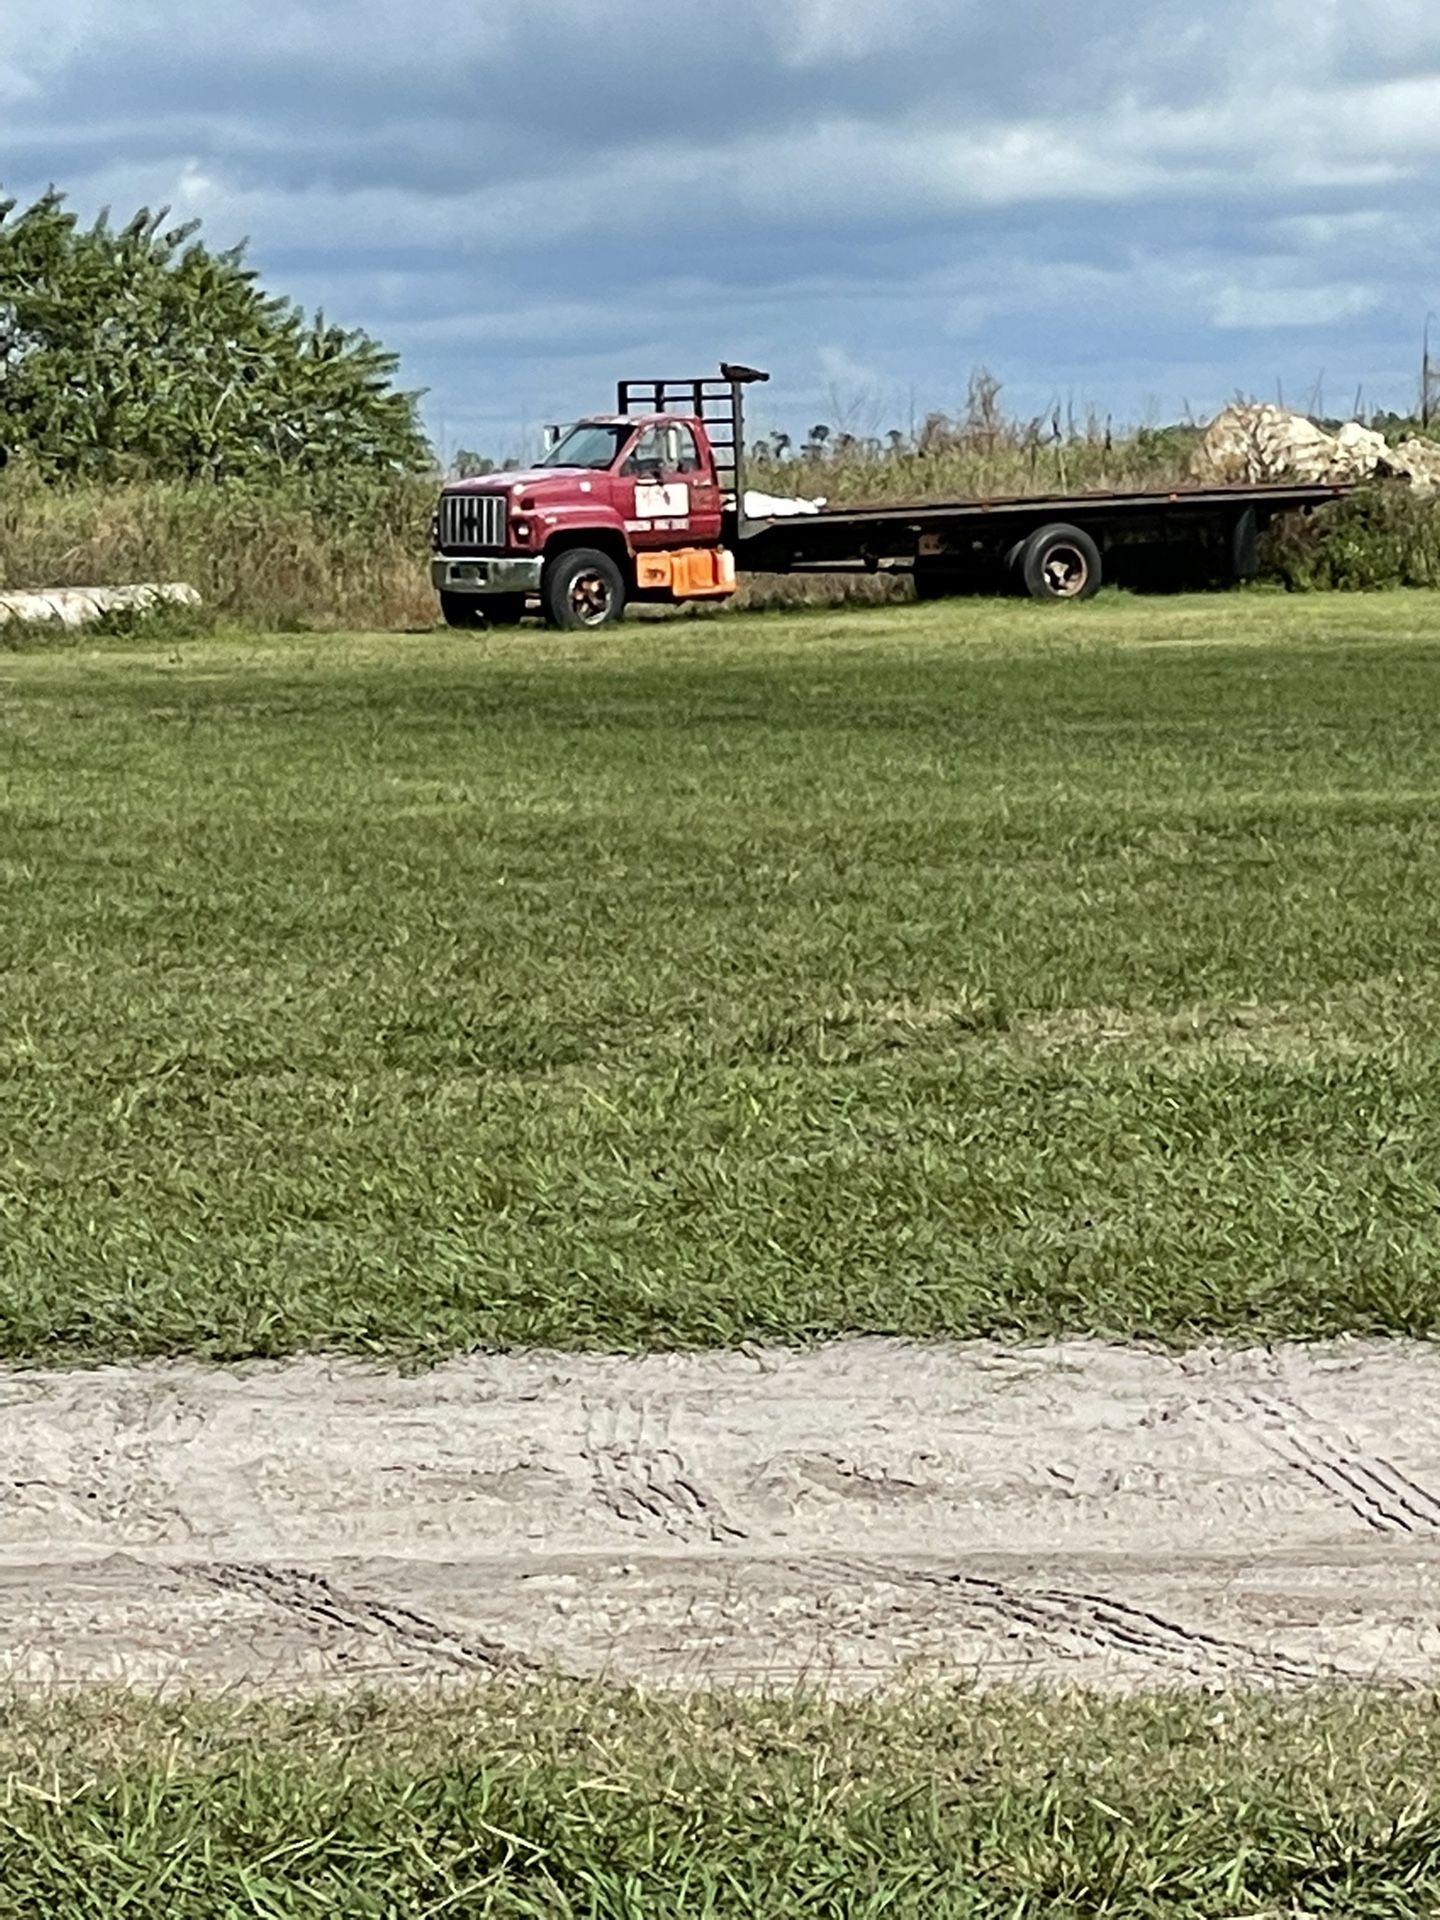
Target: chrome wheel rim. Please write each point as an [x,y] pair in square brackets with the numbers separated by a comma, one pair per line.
[1067,572]
[591,598]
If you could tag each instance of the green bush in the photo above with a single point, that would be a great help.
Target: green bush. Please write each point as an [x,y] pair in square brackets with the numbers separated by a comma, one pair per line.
[137,352]
[1384,536]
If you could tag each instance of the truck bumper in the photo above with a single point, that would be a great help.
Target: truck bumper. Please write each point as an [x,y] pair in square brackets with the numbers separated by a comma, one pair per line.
[485,576]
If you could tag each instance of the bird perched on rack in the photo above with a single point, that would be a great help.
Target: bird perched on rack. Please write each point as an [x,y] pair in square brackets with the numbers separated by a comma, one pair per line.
[742,376]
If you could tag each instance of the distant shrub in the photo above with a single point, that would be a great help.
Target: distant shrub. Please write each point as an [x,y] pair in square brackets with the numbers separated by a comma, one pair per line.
[321,553]
[1383,536]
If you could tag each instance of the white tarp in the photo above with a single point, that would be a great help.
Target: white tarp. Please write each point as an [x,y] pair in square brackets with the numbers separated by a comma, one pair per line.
[78,606]
[1266,443]
[772,506]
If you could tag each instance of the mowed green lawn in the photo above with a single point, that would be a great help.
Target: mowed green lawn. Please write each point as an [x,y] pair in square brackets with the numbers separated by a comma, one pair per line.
[570,1804]
[973,969]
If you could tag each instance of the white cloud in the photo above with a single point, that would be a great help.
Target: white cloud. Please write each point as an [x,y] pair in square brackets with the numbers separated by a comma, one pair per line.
[835,172]
[1284,118]
[814,33]
[1276,307]
[328,35]
[1355,227]
[839,368]
[37,41]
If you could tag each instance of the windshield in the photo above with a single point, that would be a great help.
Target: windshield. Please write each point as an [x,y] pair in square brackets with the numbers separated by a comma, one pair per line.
[588,445]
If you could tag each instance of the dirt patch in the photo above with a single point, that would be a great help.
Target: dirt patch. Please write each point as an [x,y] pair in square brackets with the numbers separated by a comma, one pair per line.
[873,1512]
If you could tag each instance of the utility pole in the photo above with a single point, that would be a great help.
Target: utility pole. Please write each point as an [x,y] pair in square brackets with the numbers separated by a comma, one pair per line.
[1427,379]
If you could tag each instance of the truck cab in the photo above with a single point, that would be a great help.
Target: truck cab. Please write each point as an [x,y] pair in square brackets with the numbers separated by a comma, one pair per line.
[638,505]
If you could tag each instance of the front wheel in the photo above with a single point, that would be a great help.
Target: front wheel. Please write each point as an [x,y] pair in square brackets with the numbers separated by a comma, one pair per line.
[1060,563]
[582,590]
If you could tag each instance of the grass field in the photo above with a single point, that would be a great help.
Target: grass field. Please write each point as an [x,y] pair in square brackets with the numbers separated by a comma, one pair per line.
[952,970]
[603,1805]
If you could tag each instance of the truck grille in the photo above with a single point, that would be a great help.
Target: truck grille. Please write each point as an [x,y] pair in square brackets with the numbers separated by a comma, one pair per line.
[471,520]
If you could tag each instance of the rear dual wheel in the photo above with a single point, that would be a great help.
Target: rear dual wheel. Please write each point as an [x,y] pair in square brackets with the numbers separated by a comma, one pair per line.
[1059,563]
[1054,563]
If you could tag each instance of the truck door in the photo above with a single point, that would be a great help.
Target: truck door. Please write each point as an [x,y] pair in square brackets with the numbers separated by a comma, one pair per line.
[677,498]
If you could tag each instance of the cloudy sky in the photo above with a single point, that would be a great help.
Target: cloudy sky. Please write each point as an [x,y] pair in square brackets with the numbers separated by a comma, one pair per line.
[1140,204]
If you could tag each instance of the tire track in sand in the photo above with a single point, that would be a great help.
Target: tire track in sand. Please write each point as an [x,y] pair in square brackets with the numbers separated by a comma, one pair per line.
[317,1602]
[1111,1626]
[1374,1489]
[1074,1514]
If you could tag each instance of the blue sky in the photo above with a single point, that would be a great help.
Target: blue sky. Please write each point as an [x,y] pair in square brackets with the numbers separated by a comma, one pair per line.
[1140,204]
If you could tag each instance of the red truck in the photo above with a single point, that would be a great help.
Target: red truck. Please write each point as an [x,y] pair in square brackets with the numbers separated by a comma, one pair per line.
[649,503]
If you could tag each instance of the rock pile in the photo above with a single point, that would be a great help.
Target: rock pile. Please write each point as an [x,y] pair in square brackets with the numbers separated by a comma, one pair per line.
[1256,444]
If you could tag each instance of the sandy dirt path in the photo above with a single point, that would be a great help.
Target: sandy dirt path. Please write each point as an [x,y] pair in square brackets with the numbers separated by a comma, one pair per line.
[867,1514]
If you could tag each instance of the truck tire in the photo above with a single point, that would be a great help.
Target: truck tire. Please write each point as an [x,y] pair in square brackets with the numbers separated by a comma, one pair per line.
[1060,563]
[582,591]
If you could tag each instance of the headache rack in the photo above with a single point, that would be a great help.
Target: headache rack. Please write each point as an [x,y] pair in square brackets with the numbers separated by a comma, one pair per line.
[718,403]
